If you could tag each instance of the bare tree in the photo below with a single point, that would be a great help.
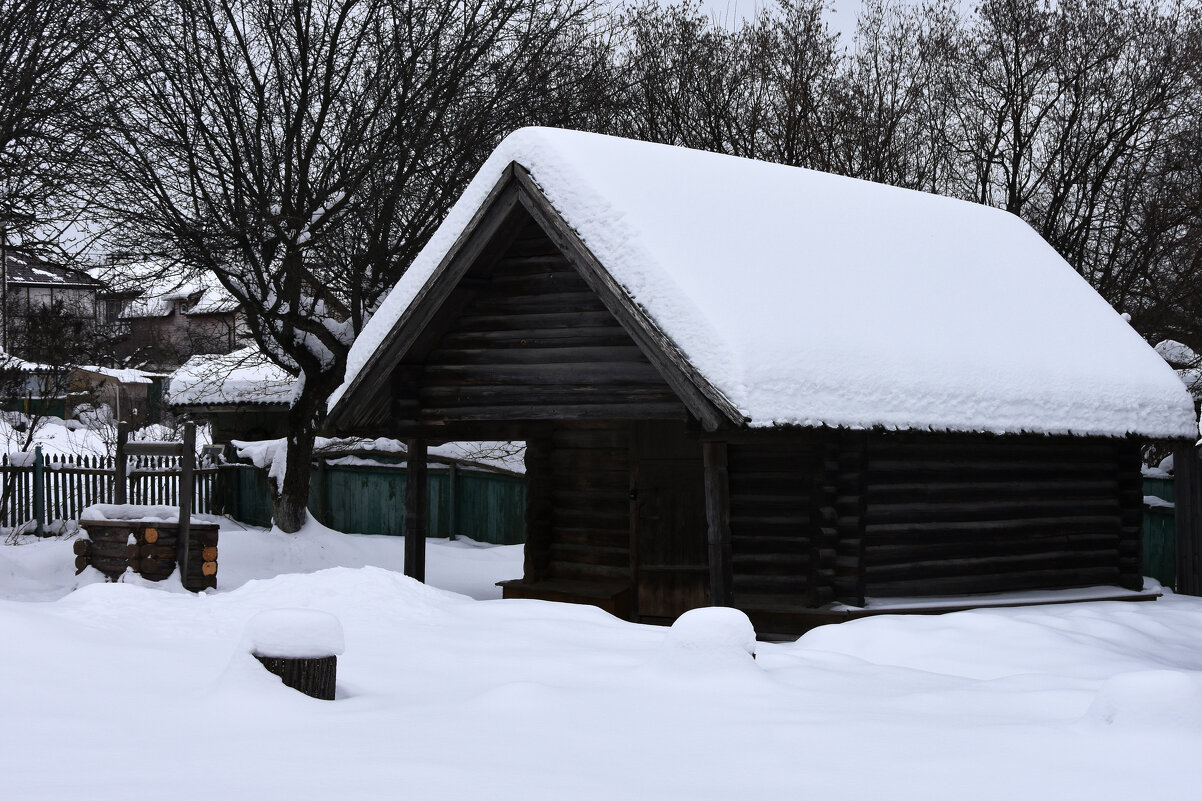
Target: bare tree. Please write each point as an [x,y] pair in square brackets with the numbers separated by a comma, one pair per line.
[302,152]
[46,115]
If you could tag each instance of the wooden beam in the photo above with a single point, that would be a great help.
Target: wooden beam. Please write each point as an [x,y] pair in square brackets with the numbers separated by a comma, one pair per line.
[717,514]
[1188,476]
[187,463]
[120,482]
[416,517]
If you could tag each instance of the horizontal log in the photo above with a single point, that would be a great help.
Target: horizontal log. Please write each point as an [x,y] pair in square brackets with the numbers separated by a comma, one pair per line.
[779,566]
[990,546]
[927,446]
[519,300]
[209,554]
[615,518]
[758,543]
[884,533]
[949,491]
[632,374]
[590,554]
[506,322]
[566,352]
[614,411]
[81,564]
[887,471]
[989,565]
[575,571]
[581,336]
[82,547]
[771,585]
[208,568]
[602,538]
[1005,582]
[1001,510]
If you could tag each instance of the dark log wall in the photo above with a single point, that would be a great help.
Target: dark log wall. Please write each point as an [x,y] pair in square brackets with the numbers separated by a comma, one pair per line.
[530,341]
[952,515]
[837,516]
[776,495]
[589,537]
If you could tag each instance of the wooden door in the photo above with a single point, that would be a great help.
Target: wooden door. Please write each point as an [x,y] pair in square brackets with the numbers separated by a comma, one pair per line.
[668,521]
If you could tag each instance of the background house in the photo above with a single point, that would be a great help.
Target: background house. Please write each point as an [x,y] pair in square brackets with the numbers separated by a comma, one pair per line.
[243,395]
[168,322]
[32,288]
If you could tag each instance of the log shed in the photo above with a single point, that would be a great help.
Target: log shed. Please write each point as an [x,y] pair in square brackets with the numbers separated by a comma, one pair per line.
[723,406]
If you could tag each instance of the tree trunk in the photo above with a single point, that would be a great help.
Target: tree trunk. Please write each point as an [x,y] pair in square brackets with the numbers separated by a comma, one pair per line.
[290,498]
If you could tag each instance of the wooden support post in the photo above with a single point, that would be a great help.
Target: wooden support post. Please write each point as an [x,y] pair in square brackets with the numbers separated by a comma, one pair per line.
[452,499]
[537,550]
[119,466]
[717,515]
[1188,474]
[187,462]
[416,501]
[39,492]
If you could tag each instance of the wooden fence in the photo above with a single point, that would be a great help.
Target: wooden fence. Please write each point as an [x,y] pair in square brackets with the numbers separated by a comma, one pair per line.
[71,483]
[489,507]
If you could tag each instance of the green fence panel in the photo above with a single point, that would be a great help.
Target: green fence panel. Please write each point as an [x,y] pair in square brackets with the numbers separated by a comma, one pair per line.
[248,495]
[359,499]
[1160,545]
[1163,488]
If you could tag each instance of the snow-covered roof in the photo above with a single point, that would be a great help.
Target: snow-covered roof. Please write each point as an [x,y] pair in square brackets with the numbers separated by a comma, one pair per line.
[23,268]
[1186,362]
[160,284]
[812,299]
[244,377]
[121,375]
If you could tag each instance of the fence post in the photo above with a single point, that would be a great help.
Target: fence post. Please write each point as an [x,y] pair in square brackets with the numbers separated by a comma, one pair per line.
[187,460]
[39,492]
[119,465]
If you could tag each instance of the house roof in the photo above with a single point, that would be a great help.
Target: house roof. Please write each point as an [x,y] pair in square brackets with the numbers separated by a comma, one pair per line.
[24,269]
[804,298]
[243,378]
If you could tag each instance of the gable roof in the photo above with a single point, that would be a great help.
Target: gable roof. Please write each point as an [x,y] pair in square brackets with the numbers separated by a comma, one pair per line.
[25,269]
[244,377]
[804,298]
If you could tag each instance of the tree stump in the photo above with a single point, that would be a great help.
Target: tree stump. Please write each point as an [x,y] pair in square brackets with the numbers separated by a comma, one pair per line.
[315,677]
[301,646]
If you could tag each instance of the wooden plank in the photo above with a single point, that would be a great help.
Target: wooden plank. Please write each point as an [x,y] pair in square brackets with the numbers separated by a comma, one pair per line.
[717,513]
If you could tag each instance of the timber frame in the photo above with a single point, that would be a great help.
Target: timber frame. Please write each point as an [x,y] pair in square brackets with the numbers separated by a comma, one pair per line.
[647,492]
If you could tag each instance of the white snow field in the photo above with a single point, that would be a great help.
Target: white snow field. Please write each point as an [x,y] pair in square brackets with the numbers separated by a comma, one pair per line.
[120,691]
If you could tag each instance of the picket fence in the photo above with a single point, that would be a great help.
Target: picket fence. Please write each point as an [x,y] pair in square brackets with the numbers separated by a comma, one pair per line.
[70,483]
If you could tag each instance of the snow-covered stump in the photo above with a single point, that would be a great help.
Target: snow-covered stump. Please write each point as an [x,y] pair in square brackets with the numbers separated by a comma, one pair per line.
[301,646]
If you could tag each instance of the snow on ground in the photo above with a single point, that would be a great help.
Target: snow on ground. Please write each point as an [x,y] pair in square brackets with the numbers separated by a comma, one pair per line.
[131,691]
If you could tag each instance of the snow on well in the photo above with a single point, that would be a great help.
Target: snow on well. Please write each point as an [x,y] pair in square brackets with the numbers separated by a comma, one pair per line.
[813,299]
